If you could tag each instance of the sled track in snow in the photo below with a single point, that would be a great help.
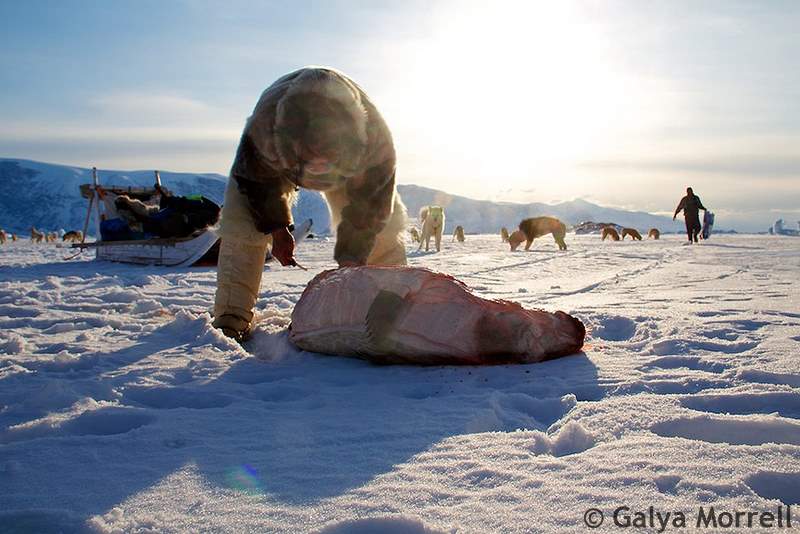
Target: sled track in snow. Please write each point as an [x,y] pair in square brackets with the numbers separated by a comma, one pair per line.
[515,265]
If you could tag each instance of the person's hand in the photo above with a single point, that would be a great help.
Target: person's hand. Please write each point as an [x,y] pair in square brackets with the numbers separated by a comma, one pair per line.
[283,247]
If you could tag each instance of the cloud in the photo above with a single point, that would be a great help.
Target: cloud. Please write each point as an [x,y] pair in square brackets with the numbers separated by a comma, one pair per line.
[756,165]
[185,155]
[161,109]
[148,103]
[44,132]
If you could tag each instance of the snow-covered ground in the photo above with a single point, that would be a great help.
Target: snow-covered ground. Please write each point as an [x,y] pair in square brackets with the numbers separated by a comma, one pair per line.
[121,409]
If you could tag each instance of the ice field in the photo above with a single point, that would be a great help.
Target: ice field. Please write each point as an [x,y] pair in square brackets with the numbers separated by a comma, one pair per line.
[122,410]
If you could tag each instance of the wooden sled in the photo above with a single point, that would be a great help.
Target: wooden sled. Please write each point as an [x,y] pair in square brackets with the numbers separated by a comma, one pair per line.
[168,252]
[200,248]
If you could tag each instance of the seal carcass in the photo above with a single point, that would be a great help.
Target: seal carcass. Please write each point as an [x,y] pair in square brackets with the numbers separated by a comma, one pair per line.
[417,316]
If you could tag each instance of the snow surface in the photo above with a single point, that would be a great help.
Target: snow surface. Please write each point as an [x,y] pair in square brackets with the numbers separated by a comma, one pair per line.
[122,410]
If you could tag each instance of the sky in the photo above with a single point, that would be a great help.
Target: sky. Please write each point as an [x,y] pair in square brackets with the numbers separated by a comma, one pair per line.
[620,103]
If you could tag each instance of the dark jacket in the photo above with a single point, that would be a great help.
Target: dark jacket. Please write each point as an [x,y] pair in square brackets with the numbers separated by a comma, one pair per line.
[691,205]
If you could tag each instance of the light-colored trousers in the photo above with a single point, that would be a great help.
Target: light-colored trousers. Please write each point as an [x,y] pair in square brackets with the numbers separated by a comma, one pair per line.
[243,251]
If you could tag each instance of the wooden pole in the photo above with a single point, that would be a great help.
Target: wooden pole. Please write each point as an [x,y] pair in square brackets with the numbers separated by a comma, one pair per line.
[96,199]
[88,216]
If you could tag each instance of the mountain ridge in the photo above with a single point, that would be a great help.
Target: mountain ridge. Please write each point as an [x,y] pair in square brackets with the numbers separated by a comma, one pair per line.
[46,195]
[484,216]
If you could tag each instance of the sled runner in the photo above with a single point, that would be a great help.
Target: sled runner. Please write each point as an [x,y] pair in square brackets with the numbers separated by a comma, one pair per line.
[201,246]
[302,230]
[169,252]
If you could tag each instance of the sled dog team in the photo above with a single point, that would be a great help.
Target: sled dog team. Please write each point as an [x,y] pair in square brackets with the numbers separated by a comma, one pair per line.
[37,236]
[432,219]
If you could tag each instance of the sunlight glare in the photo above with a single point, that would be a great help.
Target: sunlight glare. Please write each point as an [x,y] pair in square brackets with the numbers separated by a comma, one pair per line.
[510,91]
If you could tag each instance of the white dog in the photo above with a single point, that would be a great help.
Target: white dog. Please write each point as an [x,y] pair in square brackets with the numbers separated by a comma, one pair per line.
[432,220]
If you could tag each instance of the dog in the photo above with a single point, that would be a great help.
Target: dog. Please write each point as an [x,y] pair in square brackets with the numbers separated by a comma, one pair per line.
[3,237]
[515,239]
[414,235]
[610,232]
[432,219]
[631,232]
[51,237]
[504,234]
[459,234]
[653,233]
[530,229]
[75,236]
[36,235]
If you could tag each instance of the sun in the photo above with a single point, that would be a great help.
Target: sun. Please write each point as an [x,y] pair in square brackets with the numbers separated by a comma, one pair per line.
[508,92]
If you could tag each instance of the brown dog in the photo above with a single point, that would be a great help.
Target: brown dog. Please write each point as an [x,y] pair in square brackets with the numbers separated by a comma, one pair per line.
[3,237]
[414,235]
[610,232]
[36,235]
[530,229]
[458,234]
[633,232]
[653,233]
[74,236]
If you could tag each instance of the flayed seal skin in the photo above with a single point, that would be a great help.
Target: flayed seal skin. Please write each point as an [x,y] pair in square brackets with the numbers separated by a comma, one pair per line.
[417,316]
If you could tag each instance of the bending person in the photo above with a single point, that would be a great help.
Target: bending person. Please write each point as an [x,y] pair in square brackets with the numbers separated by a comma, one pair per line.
[313,128]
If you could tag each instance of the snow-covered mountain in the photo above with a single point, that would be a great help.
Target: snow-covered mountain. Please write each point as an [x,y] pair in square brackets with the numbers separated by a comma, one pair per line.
[483,216]
[47,196]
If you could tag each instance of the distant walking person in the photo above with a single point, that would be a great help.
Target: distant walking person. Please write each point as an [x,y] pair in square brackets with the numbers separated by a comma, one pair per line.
[691,206]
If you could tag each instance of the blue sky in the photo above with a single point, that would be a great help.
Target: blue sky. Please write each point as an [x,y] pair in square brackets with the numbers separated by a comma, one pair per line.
[622,103]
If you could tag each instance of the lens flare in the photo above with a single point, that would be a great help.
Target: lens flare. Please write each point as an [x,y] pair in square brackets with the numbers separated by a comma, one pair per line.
[245,478]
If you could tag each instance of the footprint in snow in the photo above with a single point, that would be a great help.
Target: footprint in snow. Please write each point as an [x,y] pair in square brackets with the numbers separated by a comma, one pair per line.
[688,362]
[735,431]
[101,422]
[613,328]
[784,403]
[667,483]
[282,393]
[767,377]
[106,422]
[784,487]
[686,346]
[167,398]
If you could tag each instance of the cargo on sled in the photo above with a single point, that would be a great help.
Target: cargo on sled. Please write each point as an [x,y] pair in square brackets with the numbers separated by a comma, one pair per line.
[150,226]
